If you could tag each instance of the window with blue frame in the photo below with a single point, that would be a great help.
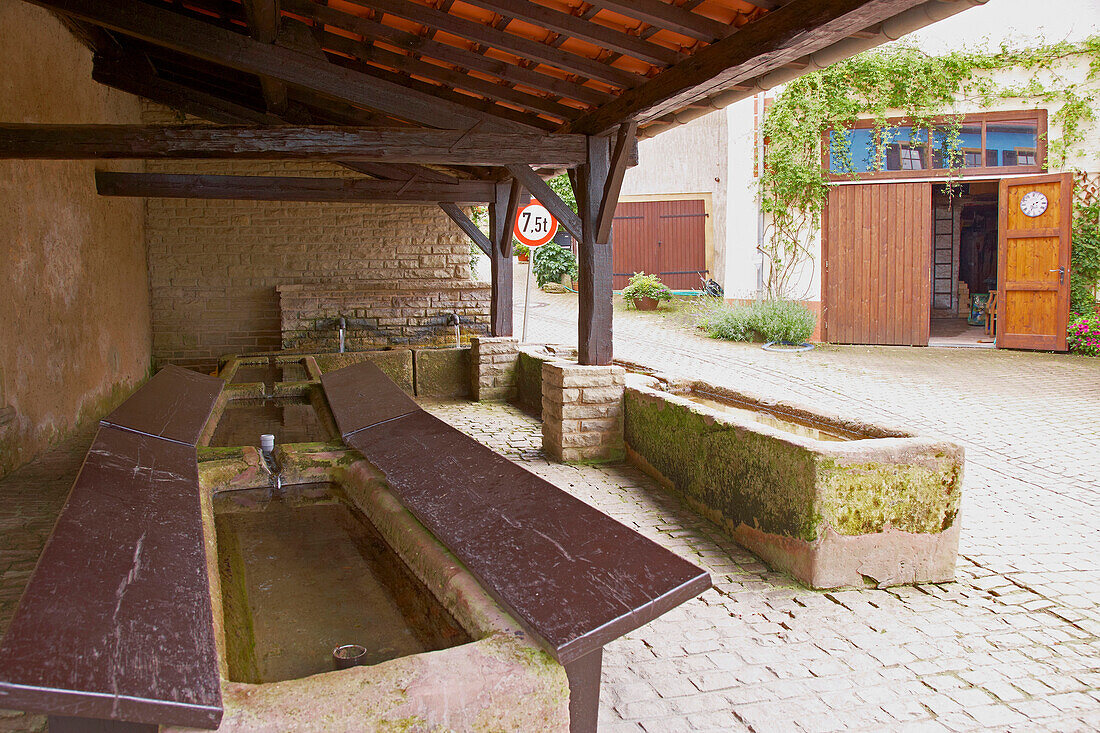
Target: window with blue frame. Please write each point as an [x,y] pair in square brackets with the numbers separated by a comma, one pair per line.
[977,142]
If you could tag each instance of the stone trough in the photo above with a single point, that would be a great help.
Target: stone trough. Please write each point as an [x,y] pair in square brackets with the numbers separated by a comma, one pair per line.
[836,503]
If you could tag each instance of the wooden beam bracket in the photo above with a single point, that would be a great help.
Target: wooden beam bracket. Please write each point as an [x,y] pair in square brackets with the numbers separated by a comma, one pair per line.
[627,138]
[546,196]
[466,225]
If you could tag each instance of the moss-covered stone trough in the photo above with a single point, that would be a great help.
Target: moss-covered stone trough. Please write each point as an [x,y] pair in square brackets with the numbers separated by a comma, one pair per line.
[857,505]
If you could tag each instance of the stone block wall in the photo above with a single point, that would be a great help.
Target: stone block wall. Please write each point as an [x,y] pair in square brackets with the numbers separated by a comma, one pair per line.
[74,315]
[493,364]
[410,312]
[216,267]
[582,411]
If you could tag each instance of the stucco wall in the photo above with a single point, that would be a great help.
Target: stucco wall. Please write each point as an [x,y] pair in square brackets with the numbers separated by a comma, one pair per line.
[690,159]
[215,266]
[75,301]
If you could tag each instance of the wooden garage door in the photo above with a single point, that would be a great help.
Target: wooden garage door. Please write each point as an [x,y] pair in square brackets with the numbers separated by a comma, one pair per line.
[877,280]
[666,238]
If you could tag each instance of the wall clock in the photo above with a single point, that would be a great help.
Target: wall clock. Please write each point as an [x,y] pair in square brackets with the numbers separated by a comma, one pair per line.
[1033,203]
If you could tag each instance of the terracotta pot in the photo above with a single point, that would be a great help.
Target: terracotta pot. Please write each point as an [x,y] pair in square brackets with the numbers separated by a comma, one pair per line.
[646,304]
[523,258]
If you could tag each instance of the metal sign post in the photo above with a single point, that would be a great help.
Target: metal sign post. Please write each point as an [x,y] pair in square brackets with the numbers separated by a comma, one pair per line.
[534,228]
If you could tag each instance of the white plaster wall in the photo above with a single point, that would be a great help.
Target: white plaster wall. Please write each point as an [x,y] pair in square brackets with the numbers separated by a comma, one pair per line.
[689,159]
[742,217]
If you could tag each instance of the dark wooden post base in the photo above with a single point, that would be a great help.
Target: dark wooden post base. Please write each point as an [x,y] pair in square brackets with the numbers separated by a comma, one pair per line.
[584,691]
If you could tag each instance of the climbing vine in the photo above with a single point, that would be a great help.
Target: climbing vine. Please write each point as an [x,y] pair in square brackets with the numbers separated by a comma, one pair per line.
[901,81]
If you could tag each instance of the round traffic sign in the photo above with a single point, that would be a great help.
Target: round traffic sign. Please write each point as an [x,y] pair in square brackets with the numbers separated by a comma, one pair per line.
[534,225]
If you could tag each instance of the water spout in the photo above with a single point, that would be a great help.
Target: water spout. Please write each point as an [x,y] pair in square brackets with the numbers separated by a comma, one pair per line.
[343,327]
[267,452]
[453,318]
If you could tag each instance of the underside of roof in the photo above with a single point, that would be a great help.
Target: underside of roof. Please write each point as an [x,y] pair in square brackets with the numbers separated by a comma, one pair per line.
[490,65]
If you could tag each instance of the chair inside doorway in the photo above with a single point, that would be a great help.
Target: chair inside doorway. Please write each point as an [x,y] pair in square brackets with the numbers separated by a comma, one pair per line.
[964,264]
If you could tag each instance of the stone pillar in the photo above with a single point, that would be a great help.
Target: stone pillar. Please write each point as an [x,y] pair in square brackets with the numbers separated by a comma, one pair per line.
[582,411]
[493,361]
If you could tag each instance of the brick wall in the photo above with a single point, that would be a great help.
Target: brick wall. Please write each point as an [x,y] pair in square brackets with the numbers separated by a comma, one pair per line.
[216,268]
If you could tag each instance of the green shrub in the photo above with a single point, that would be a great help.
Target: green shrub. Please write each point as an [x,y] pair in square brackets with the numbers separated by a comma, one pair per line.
[551,261]
[772,320]
[1085,265]
[1083,335]
[642,285]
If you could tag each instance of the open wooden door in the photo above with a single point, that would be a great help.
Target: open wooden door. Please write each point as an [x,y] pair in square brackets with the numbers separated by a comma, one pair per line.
[1033,262]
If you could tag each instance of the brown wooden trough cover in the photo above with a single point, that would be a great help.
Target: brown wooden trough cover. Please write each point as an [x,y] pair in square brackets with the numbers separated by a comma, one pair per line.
[572,575]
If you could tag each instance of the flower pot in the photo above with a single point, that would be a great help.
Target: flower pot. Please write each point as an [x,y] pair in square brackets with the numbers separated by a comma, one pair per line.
[523,258]
[646,304]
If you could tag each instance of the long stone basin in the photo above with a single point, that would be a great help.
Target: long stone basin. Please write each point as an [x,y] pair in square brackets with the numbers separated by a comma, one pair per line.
[835,502]
[499,679]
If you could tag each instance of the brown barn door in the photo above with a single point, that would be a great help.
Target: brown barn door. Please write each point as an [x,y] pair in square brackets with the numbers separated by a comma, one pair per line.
[681,243]
[877,249]
[1033,262]
[633,245]
[663,238]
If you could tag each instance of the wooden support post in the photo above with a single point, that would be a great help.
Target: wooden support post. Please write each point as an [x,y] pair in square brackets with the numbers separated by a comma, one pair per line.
[500,309]
[594,259]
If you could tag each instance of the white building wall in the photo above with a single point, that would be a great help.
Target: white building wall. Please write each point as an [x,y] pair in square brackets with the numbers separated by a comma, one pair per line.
[688,161]
[721,145]
[741,259]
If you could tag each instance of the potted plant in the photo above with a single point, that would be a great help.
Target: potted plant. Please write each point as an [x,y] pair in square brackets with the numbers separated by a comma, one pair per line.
[646,291]
[521,251]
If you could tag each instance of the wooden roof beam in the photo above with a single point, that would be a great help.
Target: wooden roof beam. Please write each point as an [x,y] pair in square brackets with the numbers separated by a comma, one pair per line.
[670,17]
[519,45]
[286,188]
[586,30]
[400,145]
[779,37]
[196,38]
[444,52]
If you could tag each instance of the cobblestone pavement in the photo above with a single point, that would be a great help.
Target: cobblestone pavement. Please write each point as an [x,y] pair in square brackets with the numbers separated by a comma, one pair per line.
[1013,644]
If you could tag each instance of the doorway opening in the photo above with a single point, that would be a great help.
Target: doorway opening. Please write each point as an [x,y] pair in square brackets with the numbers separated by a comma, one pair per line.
[964,264]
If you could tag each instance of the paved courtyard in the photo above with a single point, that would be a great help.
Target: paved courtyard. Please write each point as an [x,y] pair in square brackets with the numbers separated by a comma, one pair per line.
[1013,644]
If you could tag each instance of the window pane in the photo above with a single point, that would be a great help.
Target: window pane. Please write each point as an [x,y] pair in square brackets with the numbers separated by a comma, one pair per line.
[861,149]
[1013,142]
[905,148]
[963,151]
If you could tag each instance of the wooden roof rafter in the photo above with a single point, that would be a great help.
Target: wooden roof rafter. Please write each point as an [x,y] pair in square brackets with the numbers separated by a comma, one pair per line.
[538,65]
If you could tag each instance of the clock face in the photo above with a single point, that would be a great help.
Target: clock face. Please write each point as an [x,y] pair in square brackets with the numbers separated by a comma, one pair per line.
[1033,203]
